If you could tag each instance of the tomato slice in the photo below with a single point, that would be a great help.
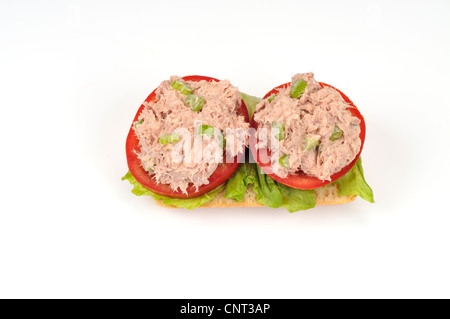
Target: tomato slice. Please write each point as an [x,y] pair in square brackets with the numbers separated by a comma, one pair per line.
[300,179]
[220,175]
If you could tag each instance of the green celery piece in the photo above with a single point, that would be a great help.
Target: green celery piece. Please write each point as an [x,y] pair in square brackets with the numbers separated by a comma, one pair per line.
[206,129]
[209,131]
[297,88]
[311,142]
[222,140]
[195,102]
[284,161]
[138,123]
[271,98]
[337,133]
[169,138]
[280,127]
[182,86]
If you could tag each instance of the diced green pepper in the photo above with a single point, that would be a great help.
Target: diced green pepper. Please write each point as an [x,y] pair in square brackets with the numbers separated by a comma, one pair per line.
[284,160]
[272,97]
[311,142]
[297,88]
[169,138]
[195,102]
[280,127]
[337,133]
[182,86]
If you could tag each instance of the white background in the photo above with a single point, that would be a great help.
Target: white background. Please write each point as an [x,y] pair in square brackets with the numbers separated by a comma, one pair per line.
[73,74]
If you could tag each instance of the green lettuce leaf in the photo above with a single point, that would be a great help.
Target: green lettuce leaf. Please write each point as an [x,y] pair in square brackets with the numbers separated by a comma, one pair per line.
[297,199]
[138,189]
[353,183]
[273,194]
[250,102]
[237,184]
[268,192]
[188,203]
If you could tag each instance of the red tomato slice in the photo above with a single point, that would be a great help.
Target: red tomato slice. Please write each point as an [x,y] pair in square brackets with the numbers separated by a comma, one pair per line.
[301,180]
[220,175]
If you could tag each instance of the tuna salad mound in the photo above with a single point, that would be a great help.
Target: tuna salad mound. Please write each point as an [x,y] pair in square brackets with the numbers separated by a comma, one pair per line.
[309,129]
[182,133]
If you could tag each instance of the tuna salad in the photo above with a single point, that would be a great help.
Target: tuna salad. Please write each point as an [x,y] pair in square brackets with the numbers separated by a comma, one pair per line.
[309,129]
[182,133]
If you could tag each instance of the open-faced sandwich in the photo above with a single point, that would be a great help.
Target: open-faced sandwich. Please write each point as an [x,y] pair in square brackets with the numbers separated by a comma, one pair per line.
[187,143]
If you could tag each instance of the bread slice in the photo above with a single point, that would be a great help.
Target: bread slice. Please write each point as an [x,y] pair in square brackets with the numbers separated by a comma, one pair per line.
[327,195]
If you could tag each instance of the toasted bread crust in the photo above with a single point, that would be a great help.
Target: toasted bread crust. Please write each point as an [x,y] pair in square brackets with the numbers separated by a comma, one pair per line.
[327,195]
